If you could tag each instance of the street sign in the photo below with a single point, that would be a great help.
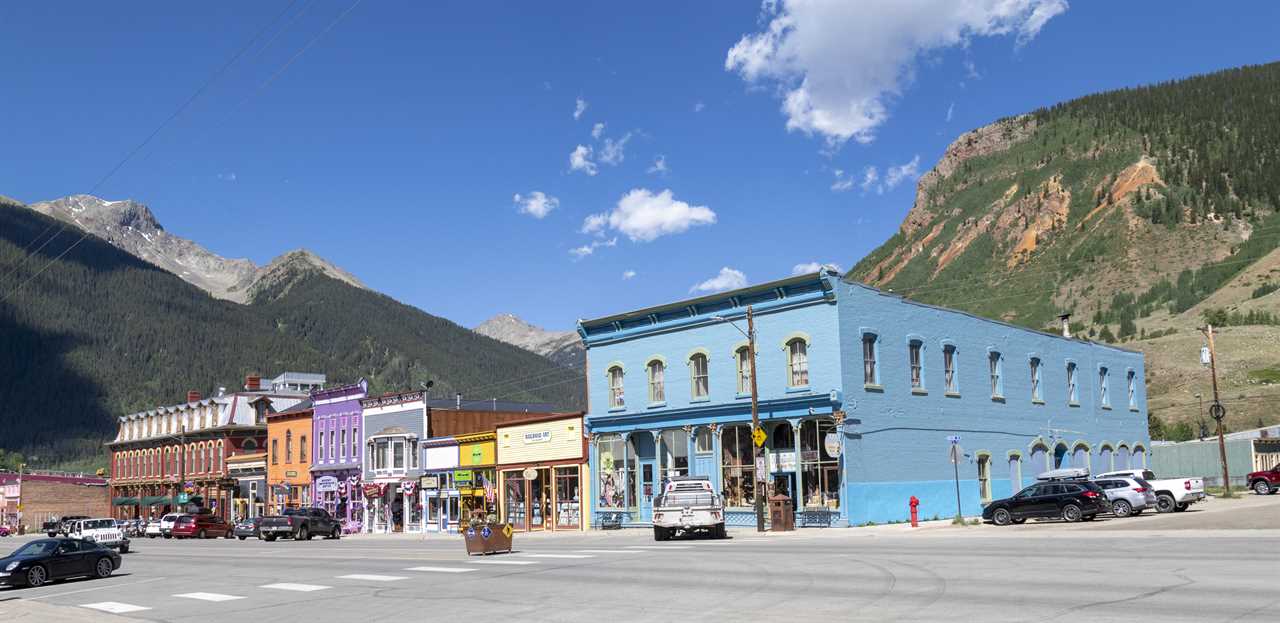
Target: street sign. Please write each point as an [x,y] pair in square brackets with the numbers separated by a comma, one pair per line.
[761,467]
[182,498]
[957,453]
[759,437]
[954,439]
[1217,411]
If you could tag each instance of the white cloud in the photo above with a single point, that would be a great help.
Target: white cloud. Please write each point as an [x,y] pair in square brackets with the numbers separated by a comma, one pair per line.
[838,66]
[728,279]
[644,216]
[579,107]
[536,204]
[971,70]
[659,165]
[869,178]
[613,152]
[951,110]
[597,130]
[897,174]
[227,177]
[587,249]
[843,182]
[628,274]
[699,106]
[813,267]
[580,160]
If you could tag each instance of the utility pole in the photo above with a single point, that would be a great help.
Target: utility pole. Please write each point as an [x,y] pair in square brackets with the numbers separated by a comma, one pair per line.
[758,452]
[1216,410]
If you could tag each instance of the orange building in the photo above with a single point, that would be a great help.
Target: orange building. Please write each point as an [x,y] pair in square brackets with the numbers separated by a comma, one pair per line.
[288,458]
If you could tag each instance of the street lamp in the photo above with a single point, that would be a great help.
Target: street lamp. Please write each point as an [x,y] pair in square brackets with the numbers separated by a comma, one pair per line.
[758,449]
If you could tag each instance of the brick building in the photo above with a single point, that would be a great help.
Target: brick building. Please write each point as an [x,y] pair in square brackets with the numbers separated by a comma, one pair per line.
[31,499]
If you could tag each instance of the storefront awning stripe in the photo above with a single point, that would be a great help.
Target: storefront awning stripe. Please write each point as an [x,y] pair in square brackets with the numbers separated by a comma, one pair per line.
[156,500]
[124,502]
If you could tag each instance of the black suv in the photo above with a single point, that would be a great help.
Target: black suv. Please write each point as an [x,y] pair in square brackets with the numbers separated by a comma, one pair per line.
[1072,500]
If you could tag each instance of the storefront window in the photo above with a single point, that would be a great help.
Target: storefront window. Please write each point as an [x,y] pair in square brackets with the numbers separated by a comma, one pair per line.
[738,466]
[568,513]
[821,469]
[398,455]
[611,469]
[703,440]
[513,498]
[675,453]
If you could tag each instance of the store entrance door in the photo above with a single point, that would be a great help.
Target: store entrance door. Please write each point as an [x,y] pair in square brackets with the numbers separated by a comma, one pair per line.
[646,491]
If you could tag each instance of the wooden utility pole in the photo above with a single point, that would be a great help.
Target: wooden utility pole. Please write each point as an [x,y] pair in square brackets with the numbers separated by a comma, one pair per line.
[758,452]
[1217,411]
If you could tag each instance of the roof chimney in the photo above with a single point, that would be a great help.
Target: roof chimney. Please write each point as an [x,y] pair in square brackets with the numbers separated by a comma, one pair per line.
[1066,324]
[222,391]
[457,398]
[193,396]
[252,383]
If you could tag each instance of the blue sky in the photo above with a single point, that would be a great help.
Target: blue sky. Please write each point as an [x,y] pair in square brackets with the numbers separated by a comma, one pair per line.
[393,138]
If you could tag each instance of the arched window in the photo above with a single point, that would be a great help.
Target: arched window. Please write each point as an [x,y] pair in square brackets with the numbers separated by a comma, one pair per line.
[698,376]
[1080,456]
[657,393]
[915,359]
[1104,382]
[275,450]
[200,458]
[249,445]
[1073,395]
[984,477]
[1139,460]
[217,466]
[302,449]
[1039,458]
[288,446]
[1122,457]
[1105,457]
[1060,456]
[743,358]
[1015,471]
[1035,380]
[798,363]
[616,398]
[870,375]
[996,365]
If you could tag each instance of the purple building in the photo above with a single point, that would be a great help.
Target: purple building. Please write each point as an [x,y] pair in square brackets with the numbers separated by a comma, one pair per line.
[338,451]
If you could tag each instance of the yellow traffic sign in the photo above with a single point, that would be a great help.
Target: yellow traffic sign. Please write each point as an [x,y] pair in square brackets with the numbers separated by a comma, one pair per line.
[506,530]
[759,437]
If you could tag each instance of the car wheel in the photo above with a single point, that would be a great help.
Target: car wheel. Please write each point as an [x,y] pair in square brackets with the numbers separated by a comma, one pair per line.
[1001,517]
[303,534]
[1262,487]
[241,538]
[52,534]
[336,534]
[1122,508]
[1020,520]
[1071,513]
[202,535]
[104,568]
[124,549]
[1165,503]
[37,576]
[1178,508]
[168,536]
[269,537]
[720,532]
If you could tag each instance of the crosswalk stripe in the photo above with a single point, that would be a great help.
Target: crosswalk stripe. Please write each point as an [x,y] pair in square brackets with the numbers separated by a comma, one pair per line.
[209,596]
[115,607]
[660,546]
[559,556]
[372,577]
[289,586]
[607,551]
[440,569]
[503,562]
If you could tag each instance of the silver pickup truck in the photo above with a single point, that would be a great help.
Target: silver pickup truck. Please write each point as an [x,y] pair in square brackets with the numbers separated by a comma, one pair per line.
[688,504]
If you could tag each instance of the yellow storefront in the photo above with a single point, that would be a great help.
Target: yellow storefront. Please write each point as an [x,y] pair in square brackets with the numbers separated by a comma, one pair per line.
[543,481]
[476,477]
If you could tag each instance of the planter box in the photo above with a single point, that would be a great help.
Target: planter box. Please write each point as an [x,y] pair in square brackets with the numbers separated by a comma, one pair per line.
[488,539]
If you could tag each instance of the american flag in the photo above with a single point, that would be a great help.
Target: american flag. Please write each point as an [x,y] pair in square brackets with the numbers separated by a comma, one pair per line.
[488,488]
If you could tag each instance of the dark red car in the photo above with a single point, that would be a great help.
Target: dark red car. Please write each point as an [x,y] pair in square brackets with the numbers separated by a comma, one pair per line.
[201,527]
[1265,482]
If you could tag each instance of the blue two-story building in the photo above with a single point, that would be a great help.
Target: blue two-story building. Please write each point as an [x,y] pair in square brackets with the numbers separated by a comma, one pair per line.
[860,394]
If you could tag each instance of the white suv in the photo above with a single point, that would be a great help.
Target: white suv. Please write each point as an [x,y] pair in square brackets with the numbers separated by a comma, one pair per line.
[101,531]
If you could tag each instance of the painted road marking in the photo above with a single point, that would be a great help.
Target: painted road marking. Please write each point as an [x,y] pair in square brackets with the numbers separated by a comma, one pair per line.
[440,569]
[607,551]
[209,596]
[372,577]
[660,546]
[559,556]
[289,586]
[503,562]
[115,607]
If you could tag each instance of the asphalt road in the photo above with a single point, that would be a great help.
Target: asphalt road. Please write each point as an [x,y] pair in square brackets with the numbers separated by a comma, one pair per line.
[1035,572]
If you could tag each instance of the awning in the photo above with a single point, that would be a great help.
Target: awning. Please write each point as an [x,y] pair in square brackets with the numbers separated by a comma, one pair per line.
[157,500]
[124,502]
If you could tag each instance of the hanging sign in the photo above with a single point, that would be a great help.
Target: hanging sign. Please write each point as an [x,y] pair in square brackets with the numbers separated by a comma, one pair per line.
[462,476]
[431,482]
[373,491]
[831,443]
[1204,356]
[326,484]
[530,473]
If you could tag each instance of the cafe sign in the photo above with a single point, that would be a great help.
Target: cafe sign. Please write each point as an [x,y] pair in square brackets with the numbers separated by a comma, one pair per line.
[541,436]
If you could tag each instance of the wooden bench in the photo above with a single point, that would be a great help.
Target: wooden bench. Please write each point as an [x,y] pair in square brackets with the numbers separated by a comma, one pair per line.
[610,520]
[816,517]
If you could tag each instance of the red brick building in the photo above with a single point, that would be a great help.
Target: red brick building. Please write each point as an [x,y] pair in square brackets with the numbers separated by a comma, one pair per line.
[31,499]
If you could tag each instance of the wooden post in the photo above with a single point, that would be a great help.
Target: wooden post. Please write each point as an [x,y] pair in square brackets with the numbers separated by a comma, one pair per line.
[1219,411]
[755,422]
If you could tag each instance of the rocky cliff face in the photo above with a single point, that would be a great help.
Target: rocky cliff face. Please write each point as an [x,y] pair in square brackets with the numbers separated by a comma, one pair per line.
[133,228]
[562,347]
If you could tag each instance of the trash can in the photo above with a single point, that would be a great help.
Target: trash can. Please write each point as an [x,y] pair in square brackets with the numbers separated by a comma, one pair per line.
[782,516]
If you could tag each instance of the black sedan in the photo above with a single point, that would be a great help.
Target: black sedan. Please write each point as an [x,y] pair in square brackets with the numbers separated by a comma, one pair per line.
[246,528]
[43,560]
[1070,500]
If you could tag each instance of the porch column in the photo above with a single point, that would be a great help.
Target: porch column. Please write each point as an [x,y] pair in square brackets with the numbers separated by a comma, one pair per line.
[717,475]
[838,416]
[689,433]
[626,476]
[799,494]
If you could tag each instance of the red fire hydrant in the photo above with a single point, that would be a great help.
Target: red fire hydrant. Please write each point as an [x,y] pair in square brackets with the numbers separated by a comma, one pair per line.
[915,517]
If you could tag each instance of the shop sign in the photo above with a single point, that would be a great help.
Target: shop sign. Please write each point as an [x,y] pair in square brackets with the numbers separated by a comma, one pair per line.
[782,462]
[326,484]
[291,474]
[430,482]
[530,473]
[541,436]
[373,491]
[809,456]
[477,454]
[462,476]
[831,443]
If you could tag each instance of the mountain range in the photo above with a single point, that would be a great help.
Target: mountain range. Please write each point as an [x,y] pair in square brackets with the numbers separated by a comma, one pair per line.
[562,347]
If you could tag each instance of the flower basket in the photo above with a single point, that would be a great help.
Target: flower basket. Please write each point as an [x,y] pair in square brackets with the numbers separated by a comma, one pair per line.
[483,536]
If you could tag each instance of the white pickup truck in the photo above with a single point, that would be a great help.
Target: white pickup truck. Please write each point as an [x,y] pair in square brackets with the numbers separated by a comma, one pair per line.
[101,531]
[688,504]
[1172,494]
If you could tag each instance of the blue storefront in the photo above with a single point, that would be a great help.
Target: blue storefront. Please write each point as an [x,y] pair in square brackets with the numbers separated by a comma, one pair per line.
[859,392]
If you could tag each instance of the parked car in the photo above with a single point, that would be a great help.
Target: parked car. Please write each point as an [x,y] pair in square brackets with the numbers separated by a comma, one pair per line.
[1265,482]
[1172,494]
[166,524]
[57,527]
[688,504]
[101,531]
[246,528]
[6,530]
[153,529]
[1128,495]
[300,524]
[1072,500]
[42,560]
[201,526]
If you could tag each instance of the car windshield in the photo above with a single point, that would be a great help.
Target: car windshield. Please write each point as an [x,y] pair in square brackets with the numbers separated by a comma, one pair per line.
[186,519]
[36,548]
[294,511]
[97,524]
[1149,475]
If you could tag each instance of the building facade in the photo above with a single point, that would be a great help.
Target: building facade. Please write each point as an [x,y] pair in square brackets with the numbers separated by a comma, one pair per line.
[860,395]
[392,427]
[249,471]
[30,499]
[543,474]
[339,444]
[289,458]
